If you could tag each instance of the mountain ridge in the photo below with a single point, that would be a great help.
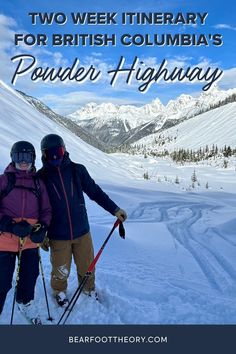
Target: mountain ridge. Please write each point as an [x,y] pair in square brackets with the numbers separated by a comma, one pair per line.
[120,124]
[73,127]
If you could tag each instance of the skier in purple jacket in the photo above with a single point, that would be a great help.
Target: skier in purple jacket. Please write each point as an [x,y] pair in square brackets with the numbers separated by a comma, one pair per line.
[25,215]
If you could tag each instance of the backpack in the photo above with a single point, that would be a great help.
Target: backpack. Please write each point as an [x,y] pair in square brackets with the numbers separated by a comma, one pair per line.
[11,184]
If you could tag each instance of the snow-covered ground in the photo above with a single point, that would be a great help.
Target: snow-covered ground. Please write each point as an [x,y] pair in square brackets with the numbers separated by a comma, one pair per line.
[177,263]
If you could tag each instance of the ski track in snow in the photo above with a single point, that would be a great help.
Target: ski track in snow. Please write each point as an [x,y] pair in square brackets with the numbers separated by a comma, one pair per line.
[180,221]
[178,298]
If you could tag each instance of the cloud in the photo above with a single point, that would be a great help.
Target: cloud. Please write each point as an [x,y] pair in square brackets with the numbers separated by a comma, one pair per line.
[70,102]
[97,54]
[224,26]
[7,31]
[7,21]
[45,57]
[180,61]
[228,80]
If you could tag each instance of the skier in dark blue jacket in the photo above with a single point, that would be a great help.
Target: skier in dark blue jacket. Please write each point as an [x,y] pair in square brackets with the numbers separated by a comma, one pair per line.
[69,233]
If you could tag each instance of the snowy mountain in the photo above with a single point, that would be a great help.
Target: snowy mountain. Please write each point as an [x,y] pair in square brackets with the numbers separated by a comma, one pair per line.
[217,126]
[116,125]
[177,263]
[113,124]
[131,116]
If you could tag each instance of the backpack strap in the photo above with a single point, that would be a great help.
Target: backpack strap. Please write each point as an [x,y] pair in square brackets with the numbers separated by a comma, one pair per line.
[11,180]
[37,192]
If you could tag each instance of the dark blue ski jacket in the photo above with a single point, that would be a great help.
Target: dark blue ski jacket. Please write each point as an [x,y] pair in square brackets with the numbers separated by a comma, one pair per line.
[65,186]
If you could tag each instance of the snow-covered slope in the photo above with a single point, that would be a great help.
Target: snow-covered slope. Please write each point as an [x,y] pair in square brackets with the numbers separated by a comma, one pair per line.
[21,121]
[177,263]
[115,124]
[73,127]
[217,126]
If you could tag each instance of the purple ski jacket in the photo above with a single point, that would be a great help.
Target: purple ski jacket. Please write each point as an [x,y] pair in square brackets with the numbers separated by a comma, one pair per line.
[22,204]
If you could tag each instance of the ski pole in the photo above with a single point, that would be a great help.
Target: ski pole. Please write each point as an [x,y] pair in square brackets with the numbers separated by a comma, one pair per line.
[22,241]
[44,285]
[79,290]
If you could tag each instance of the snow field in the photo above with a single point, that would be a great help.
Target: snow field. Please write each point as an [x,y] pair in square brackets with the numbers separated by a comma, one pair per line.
[177,264]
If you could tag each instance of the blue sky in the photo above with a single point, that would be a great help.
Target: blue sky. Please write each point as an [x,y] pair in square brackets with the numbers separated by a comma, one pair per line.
[67,97]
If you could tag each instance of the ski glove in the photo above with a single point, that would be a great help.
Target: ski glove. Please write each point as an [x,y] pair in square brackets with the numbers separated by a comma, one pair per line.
[38,233]
[45,244]
[21,229]
[121,215]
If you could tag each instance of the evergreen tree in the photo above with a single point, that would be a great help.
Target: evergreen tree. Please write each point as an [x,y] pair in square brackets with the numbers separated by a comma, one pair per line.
[145,175]
[177,180]
[194,176]
[225,164]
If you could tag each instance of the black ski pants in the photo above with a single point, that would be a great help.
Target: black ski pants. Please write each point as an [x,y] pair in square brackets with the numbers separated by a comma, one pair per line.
[29,271]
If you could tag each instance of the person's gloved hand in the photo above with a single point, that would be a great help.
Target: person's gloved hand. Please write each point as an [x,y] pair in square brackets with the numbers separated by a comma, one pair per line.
[21,229]
[121,215]
[45,244]
[38,233]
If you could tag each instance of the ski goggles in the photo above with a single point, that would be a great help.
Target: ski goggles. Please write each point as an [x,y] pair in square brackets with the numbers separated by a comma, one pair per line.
[54,153]
[18,157]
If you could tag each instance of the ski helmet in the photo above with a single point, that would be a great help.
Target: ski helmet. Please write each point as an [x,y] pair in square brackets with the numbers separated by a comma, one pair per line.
[53,149]
[51,141]
[23,151]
